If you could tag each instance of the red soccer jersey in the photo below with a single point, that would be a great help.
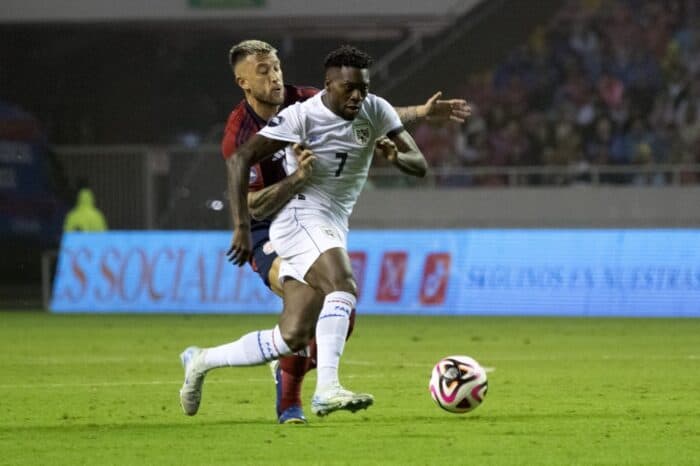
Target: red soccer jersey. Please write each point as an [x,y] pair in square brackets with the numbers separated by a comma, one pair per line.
[243,123]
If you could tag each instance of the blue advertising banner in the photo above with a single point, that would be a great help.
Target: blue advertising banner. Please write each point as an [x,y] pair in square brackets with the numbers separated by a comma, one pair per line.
[430,272]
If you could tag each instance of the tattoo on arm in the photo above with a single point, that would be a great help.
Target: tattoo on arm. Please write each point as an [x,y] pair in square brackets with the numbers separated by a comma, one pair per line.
[231,186]
[407,114]
[266,202]
[238,170]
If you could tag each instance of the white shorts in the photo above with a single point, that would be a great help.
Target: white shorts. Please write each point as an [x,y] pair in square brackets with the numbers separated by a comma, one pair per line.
[300,236]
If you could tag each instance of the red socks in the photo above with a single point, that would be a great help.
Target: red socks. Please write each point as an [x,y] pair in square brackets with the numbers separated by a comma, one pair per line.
[294,368]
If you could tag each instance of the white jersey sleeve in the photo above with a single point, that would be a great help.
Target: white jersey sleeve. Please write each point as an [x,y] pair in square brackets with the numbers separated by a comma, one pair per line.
[384,117]
[287,125]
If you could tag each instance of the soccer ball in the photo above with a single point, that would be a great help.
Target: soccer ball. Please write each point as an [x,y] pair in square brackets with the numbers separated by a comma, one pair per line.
[458,384]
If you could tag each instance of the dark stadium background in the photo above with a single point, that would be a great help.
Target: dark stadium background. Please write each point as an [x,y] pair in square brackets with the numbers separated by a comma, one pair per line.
[133,107]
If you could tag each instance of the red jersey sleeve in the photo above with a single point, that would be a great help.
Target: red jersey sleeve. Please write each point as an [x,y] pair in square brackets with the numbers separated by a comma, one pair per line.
[234,133]
[238,130]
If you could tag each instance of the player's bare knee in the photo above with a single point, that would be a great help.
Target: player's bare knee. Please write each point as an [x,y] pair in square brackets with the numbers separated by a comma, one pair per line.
[337,282]
[296,337]
[344,283]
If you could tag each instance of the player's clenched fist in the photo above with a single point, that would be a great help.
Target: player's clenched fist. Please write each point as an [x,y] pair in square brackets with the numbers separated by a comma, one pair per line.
[305,160]
[385,147]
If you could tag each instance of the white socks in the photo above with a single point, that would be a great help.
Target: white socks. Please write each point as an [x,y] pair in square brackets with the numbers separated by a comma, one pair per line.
[265,345]
[249,350]
[331,331]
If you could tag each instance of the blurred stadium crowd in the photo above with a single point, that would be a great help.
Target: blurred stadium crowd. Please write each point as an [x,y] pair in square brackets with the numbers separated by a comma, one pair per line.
[606,82]
[600,83]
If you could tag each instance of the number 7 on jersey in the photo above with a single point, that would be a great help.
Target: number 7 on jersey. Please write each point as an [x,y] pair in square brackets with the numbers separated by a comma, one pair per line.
[343,156]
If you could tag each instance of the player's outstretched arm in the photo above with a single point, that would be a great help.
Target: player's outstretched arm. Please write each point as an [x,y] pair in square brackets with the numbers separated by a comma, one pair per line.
[402,151]
[238,172]
[437,110]
[266,202]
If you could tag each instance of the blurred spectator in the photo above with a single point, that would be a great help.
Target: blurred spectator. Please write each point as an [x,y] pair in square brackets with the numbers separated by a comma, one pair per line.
[611,91]
[566,151]
[598,146]
[643,157]
[85,216]
[689,137]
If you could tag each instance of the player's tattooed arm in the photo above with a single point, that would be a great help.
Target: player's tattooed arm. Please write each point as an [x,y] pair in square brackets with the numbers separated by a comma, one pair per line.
[266,202]
[407,114]
[402,151]
[436,109]
[238,166]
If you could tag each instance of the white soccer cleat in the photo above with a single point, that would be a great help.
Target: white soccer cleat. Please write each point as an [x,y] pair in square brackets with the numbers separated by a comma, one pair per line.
[335,398]
[191,392]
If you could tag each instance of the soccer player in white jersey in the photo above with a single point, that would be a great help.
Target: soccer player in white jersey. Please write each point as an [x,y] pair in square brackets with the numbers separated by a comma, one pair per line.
[341,126]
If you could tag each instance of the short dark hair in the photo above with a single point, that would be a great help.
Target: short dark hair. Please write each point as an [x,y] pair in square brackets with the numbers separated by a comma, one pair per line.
[347,55]
[248,47]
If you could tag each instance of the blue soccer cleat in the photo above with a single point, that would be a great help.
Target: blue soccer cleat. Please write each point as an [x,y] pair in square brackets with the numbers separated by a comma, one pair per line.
[293,414]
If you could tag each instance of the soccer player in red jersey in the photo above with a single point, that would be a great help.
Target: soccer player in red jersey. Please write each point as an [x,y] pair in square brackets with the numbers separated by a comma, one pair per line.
[258,73]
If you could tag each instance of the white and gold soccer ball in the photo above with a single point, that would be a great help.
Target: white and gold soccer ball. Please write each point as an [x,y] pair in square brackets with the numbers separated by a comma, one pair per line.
[458,384]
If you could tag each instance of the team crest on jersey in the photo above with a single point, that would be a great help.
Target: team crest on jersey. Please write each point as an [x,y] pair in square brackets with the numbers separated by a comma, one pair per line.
[361,132]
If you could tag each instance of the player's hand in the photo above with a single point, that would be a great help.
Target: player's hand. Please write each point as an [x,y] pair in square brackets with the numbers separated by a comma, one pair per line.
[241,247]
[445,110]
[386,148]
[305,160]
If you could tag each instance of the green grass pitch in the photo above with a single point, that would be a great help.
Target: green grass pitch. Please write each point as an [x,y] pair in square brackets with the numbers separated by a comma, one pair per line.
[93,390]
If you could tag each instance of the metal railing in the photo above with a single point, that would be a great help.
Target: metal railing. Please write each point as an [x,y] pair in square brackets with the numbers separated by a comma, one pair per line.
[518,176]
[177,187]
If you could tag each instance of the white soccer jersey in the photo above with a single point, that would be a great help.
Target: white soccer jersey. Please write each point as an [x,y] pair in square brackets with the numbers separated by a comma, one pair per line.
[343,148]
